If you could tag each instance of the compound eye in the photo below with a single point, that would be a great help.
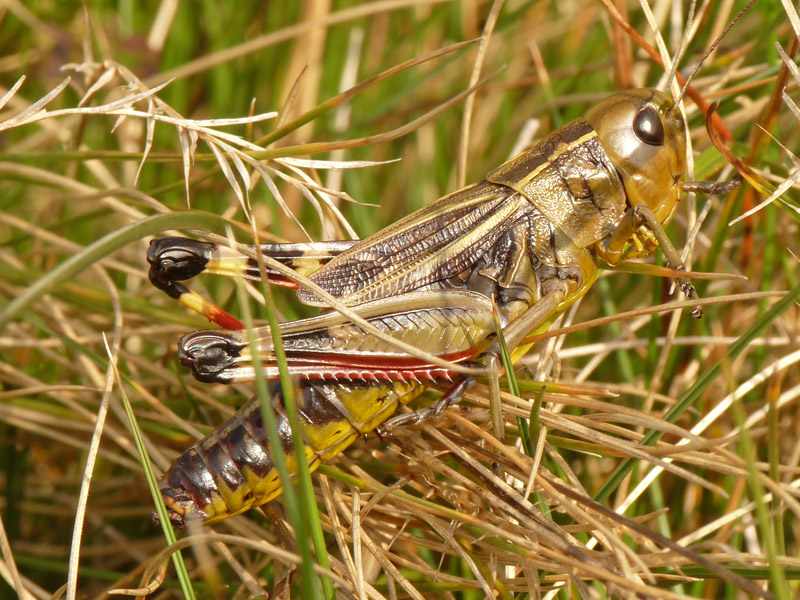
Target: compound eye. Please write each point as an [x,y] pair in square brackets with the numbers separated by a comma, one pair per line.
[648,127]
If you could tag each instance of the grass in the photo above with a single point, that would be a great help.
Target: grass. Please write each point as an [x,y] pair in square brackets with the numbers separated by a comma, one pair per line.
[687,427]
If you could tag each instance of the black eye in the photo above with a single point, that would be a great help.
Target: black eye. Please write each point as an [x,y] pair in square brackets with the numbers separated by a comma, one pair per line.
[648,127]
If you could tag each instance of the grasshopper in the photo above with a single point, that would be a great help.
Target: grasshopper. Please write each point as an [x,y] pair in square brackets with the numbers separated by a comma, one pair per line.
[524,242]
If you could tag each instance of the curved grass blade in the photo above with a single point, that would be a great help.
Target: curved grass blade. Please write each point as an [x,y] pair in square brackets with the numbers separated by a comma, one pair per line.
[100,249]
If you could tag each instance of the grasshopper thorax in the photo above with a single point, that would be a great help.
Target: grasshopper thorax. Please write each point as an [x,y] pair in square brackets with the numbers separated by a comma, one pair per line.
[644,135]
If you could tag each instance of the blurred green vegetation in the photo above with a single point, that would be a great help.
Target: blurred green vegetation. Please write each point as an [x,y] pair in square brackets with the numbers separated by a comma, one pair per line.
[63,186]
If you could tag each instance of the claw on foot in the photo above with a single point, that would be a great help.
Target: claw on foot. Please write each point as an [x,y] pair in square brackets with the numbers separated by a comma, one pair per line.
[691,293]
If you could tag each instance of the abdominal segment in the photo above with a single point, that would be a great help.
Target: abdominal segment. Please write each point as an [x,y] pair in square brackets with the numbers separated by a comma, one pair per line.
[232,470]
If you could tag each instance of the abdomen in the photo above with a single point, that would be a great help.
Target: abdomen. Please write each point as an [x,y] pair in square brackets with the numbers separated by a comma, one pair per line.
[231,470]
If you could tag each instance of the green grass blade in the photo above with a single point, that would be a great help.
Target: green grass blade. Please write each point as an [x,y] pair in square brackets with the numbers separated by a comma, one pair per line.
[100,249]
[692,394]
[158,501]
[295,499]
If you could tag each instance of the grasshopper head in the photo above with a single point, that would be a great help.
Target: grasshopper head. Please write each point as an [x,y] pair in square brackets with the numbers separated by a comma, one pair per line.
[643,134]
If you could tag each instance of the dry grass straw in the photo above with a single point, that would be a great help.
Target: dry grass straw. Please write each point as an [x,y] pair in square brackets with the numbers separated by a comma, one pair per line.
[443,510]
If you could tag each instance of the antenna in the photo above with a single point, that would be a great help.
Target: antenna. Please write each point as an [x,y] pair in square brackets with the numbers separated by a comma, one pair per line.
[712,48]
[684,45]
